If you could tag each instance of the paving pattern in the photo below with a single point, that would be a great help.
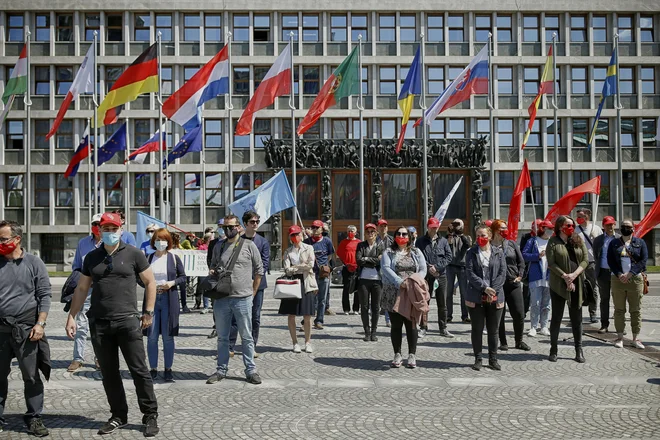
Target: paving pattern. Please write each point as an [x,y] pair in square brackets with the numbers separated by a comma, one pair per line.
[345,389]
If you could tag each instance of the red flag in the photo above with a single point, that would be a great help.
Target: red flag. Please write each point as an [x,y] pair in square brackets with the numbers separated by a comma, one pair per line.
[524,182]
[650,220]
[566,204]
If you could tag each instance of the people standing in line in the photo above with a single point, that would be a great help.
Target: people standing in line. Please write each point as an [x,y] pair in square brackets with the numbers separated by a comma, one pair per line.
[245,281]
[25,298]
[513,296]
[346,254]
[85,246]
[602,269]
[146,245]
[169,274]
[534,254]
[567,260]
[523,242]
[459,243]
[299,262]
[370,286]
[627,257]
[400,261]
[486,270]
[251,221]
[126,235]
[588,231]
[111,271]
[323,252]
[438,255]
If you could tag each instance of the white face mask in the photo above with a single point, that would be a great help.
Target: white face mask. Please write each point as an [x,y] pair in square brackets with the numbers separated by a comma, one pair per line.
[161,245]
[150,234]
[547,234]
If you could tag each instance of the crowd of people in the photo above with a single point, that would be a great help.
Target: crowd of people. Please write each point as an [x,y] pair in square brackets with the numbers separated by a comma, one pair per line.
[570,264]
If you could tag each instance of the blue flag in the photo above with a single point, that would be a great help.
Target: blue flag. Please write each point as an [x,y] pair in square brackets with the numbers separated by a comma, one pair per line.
[270,198]
[143,220]
[117,142]
[189,143]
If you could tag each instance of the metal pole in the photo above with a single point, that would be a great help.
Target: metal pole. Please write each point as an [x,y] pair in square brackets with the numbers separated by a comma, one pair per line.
[292,106]
[361,111]
[27,199]
[554,114]
[617,145]
[89,173]
[127,186]
[491,123]
[161,200]
[230,106]
[422,105]
[202,199]
[93,190]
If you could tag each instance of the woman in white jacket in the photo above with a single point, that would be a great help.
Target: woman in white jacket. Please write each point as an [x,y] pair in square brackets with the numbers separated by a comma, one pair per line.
[299,263]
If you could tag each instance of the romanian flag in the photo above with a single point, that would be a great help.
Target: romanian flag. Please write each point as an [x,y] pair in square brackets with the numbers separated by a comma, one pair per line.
[412,86]
[547,85]
[609,89]
[140,77]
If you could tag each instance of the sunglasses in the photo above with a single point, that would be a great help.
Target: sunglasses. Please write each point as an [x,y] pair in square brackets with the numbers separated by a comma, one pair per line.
[401,234]
[254,222]
[229,227]
[6,239]
[150,231]
[108,262]
[96,224]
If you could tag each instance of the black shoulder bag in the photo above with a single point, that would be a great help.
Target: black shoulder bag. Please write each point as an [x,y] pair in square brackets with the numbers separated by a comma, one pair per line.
[218,285]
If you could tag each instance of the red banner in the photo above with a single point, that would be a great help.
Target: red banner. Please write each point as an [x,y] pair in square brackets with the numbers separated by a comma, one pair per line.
[524,182]
[650,220]
[565,205]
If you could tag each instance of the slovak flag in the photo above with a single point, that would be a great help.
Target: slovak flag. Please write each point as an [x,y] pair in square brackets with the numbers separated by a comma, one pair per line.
[185,106]
[81,153]
[150,146]
[473,80]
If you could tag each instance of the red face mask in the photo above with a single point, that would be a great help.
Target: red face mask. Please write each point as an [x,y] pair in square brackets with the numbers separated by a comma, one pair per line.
[96,231]
[581,221]
[504,233]
[296,239]
[7,248]
[568,230]
[317,238]
[482,241]
[401,241]
[351,235]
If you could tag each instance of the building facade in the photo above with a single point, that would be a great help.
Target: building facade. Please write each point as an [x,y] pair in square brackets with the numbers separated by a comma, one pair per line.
[324,34]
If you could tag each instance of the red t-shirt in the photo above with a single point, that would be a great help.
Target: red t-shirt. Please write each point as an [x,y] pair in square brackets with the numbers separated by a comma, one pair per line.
[346,253]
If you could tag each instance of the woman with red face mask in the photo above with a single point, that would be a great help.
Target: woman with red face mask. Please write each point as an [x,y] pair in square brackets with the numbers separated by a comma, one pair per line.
[567,258]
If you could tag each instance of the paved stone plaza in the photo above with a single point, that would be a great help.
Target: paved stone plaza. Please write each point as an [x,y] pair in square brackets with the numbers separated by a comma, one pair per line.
[347,390]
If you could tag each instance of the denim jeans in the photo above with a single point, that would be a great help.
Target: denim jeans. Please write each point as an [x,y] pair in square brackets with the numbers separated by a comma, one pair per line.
[257,304]
[539,307]
[241,308]
[454,272]
[160,327]
[322,298]
[80,342]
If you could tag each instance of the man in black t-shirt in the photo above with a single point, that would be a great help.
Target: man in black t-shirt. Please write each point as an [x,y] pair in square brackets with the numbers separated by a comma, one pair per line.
[111,271]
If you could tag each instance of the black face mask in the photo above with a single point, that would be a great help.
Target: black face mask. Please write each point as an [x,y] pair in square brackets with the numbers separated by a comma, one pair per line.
[231,233]
[626,231]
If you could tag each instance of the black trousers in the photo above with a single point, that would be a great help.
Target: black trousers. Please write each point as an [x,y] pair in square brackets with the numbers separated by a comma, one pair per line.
[108,337]
[526,297]
[492,317]
[513,297]
[346,292]
[397,321]
[369,293]
[574,312]
[182,294]
[605,290]
[440,300]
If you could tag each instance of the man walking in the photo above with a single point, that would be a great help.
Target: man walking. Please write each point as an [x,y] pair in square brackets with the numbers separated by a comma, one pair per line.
[245,281]
[111,271]
[25,296]
[323,251]
[459,245]
[346,253]
[602,270]
[588,232]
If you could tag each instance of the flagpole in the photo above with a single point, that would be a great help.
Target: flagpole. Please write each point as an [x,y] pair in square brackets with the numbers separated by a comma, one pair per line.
[28,166]
[361,112]
[422,105]
[554,114]
[292,106]
[167,173]
[127,186]
[617,145]
[89,172]
[491,124]
[202,199]
[230,106]
[161,201]
[95,101]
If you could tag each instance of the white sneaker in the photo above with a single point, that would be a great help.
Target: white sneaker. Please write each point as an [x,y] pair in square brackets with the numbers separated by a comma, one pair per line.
[412,361]
[618,343]
[308,348]
[637,344]
[398,360]
[296,348]
[204,311]
[531,333]
[545,331]
[421,333]
[485,331]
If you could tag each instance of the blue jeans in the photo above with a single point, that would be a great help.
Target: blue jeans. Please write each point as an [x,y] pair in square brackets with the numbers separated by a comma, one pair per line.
[80,342]
[160,327]
[257,303]
[322,298]
[539,307]
[454,272]
[241,308]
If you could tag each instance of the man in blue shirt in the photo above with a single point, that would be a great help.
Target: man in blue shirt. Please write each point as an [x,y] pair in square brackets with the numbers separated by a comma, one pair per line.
[323,250]
[146,246]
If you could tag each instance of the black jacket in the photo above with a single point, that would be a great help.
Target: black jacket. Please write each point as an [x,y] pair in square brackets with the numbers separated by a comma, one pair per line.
[368,258]
[459,245]
[437,254]
[515,264]
[637,252]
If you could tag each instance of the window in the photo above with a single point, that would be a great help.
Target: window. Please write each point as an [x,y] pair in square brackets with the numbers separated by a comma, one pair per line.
[114,27]
[166,80]
[454,72]
[359,27]
[604,186]
[599,28]
[242,28]
[456,28]
[387,84]
[14,135]
[650,186]
[530,28]
[241,185]
[534,139]
[408,28]
[64,27]
[649,132]
[580,177]
[436,80]
[141,28]
[505,186]
[142,132]
[310,27]
[505,80]
[212,27]
[310,80]
[483,127]
[189,72]
[401,196]
[550,138]
[64,136]
[42,28]
[485,175]
[537,188]
[602,132]
[14,190]
[42,190]
[550,177]
[15,31]
[242,80]
[505,133]
[314,131]
[262,128]
[41,127]
[164,26]
[63,79]
[599,78]
[365,80]
[531,81]
[437,129]
[579,81]
[141,189]
[646,28]
[648,80]
[259,75]
[339,129]
[289,24]
[580,132]
[365,128]
[191,189]
[213,133]
[338,28]
[42,80]
[240,141]
[386,28]
[214,189]
[64,192]
[456,129]
[191,25]
[482,28]
[625,29]
[578,29]
[111,75]
[551,27]
[630,187]
[626,81]
[628,133]
[435,28]
[261,28]
[388,128]
[504,29]
[92,24]
[114,194]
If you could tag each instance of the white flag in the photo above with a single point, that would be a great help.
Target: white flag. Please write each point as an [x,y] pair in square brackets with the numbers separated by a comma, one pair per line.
[442,210]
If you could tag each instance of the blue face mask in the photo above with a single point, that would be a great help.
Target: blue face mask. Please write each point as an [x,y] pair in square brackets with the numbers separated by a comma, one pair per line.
[111,238]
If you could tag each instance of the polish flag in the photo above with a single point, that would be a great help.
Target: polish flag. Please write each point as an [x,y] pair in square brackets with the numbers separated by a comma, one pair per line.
[277,82]
[82,83]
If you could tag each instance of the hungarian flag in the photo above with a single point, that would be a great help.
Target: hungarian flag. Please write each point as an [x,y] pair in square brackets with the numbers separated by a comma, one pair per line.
[140,77]
[524,182]
[343,82]
[547,85]
[570,200]
[650,220]
[17,83]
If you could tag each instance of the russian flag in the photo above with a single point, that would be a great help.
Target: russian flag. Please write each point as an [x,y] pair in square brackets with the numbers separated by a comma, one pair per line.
[81,153]
[184,106]
[150,146]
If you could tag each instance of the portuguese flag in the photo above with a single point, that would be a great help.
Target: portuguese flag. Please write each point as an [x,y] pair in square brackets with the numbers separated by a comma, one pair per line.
[343,82]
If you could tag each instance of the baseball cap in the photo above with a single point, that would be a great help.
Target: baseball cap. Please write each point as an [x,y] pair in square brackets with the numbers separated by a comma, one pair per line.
[295,229]
[547,224]
[369,226]
[608,220]
[433,222]
[221,221]
[412,229]
[382,222]
[110,219]
[96,218]
[317,224]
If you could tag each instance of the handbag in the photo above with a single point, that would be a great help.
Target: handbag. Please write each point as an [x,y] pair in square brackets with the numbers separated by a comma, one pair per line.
[218,285]
[287,288]
[324,271]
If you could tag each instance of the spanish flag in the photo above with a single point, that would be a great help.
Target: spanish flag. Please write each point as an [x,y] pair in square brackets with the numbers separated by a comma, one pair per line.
[412,86]
[609,89]
[546,86]
[140,77]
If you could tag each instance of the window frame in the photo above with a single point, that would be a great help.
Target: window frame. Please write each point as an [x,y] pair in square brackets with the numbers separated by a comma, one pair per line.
[61,27]
[191,27]
[13,30]
[385,27]
[111,28]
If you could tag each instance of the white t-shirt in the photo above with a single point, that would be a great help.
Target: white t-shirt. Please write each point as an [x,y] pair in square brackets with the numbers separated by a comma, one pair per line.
[159,268]
[542,244]
[592,231]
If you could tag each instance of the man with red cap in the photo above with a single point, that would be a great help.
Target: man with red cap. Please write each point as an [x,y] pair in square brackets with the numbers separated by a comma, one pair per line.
[459,244]
[346,253]
[323,251]
[383,236]
[588,231]
[602,270]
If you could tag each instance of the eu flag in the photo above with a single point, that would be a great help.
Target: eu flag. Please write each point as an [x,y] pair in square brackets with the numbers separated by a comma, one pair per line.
[116,143]
[189,143]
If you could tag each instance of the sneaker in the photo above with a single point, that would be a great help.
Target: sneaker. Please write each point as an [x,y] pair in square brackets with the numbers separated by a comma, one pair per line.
[552,357]
[531,333]
[214,334]
[151,428]
[168,376]
[214,378]
[466,320]
[204,311]
[398,360]
[522,346]
[445,333]
[619,343]
[111,426]
[36,427]
[478,363]
[638,344]
[374,337]
[254,379]
[330,312]
[318,326]
[545,331]
[593,319]
[602,330]
[256,355]
[388,325]
[74,366]
[154,374]
[352,312]
[449,318]
[231,354]
[308,348]
[346,313]
[504,348]
[412,361]
[296,348]
[485,332]
[494,365]
[185,310]
[421,333]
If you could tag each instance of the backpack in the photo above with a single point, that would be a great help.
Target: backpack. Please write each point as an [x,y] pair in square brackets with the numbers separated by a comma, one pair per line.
[69,288]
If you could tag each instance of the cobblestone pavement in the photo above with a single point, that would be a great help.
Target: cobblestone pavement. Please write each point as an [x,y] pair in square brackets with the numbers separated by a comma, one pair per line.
[345,389]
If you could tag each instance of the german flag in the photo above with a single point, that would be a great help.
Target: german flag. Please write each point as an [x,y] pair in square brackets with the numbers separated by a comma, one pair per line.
[140,77]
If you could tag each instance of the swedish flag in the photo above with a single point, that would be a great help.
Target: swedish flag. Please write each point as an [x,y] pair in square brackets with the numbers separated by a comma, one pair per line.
[609,89]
